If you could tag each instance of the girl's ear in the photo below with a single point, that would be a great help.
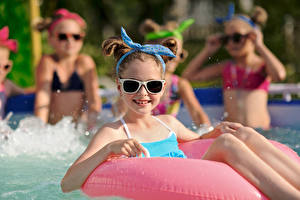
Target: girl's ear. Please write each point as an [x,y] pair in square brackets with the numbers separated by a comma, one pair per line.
[119,86]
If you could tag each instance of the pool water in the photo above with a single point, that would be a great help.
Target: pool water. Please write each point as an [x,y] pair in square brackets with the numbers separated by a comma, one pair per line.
[34,157]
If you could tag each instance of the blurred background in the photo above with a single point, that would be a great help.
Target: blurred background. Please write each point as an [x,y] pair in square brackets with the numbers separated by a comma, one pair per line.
[105,17]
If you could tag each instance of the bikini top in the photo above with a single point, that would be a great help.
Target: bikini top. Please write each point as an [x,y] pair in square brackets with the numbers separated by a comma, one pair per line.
[235,77]
[163,148]
[3,98]
[171,104]
[73,84]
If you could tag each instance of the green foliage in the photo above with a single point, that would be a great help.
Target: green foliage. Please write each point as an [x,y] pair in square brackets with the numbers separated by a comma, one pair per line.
[15,15]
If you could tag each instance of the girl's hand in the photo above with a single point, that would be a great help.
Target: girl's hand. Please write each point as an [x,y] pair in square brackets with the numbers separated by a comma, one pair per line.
[223,127]
[127,147]
[257,37]
[213,43]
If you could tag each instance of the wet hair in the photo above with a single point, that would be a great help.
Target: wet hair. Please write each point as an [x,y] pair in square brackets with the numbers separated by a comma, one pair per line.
[117,47]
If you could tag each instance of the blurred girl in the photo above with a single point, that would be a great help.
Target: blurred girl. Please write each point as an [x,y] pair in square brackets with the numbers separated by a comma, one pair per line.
[7,88]
[247,76]
[66,79]
[140,79]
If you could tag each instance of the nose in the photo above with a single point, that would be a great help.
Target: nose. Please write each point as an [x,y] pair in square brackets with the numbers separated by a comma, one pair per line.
[142,90]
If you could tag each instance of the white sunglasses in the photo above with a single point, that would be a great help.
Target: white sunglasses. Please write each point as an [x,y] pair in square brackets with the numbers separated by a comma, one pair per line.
[132,86]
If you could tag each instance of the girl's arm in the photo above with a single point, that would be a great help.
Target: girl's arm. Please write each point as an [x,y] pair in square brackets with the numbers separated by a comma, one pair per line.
[105,143]
[44,75]
[193,71]
[275,68]
[91,89]
[12,89]
[196,111]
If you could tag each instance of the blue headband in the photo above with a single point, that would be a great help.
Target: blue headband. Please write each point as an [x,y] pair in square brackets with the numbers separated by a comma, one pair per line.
[230,15]
[153,49]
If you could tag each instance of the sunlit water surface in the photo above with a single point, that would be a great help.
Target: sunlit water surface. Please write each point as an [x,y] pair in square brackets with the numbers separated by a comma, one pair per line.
[34,157]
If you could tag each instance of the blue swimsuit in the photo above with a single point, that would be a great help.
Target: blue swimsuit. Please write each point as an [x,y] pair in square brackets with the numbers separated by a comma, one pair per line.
[163,148]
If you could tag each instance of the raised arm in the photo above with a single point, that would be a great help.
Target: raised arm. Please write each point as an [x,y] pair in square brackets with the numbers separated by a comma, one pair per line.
[275,68]
[196,111]
[43,76]
[194,72]
[91,88]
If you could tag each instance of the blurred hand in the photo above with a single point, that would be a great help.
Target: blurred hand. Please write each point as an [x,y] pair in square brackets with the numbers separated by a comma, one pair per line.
[127,147]
[213,43]
[257,37]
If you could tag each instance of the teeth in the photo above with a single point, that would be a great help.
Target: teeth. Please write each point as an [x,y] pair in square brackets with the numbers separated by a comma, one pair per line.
[142,102]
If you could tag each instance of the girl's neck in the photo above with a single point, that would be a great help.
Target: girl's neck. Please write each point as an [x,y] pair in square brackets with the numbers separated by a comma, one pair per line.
[65,58]
[139,119]
[245,60]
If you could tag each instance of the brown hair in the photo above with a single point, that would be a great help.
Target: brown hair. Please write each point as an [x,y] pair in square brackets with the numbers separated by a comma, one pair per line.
[117,47]
[259,16]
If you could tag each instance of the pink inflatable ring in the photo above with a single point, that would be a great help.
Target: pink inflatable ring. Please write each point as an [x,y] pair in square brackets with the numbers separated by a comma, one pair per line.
[173,178]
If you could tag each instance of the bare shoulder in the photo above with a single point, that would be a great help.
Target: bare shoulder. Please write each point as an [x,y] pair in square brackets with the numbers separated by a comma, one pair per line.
[85,62]
[46,63]
[170,120]
[111,131]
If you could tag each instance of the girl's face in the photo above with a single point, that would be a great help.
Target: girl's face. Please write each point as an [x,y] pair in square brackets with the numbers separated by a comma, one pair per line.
[141,102]
[172,64]
[5,63]
[67,38]
[238,42]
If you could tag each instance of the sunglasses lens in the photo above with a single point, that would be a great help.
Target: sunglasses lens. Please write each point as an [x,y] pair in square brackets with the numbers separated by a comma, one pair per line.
[77,37]
[62,36]
[6,67]
[154,86]
[130,86]
[236,38]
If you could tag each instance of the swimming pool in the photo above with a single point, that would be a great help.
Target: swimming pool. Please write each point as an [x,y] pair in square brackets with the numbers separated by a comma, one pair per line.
[34,157]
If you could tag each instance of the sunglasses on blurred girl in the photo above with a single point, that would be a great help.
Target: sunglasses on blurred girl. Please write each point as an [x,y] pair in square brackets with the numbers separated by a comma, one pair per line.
[235,38]
[132,86]
[67,36]
[5,66]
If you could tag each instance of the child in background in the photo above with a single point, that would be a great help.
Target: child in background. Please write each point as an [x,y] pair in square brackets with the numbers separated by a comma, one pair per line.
[66,80]
[140,71]
[7,88]
[177,88]
[246,78]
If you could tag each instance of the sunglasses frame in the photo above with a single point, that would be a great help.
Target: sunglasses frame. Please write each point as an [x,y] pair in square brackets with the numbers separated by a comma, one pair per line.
[70,35]
[144,83]
[226,38]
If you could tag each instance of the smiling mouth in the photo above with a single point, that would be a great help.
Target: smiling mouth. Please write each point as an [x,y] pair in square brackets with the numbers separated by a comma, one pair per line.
[141,102]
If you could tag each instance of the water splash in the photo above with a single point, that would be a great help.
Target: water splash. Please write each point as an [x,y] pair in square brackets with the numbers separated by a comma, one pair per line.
[33,137]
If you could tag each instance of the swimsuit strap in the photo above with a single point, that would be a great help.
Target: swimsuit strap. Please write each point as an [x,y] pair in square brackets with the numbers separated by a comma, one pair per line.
[126,128]
[163,123]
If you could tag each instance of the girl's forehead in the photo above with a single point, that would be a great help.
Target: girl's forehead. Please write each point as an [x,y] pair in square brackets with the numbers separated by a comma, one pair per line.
[238,26]
[68,25]
[4,53]
[142,70]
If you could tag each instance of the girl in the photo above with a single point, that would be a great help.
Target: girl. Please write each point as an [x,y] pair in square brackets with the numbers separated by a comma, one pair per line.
[247,76]
[140,71]
[7,88]
[66,80]
[177,88]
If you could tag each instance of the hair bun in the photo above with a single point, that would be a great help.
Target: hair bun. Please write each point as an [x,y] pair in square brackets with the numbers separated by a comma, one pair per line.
[148,26]
[259,15]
